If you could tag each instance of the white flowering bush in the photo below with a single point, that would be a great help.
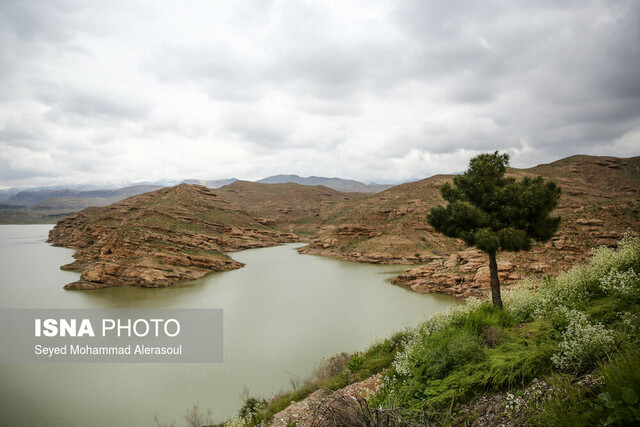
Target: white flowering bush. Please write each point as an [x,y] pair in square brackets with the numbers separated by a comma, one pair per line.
[524,300]
[404,360]
[626,256]
[445,318]
[571,289]
[611,271]
[536,299]
[630,324]
[582,341]
[513,402]
[624,284]
[537,392]
[388,385]
[236,421]
[247,416]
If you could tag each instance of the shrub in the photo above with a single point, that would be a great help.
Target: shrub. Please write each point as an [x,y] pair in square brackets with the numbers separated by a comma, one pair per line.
[437,322]
[523,300]
[582,342]
[331,367]
[622,284]
[630,324]
[612,271]
[626,256]
[355,363]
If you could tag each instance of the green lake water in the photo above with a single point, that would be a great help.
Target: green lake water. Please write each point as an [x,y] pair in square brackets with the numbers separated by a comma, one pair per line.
[283,313]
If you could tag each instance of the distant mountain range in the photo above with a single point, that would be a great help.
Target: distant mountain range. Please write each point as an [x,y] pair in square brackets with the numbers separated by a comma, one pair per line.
[47,204]
[346,185]
[72,199]
[16,197]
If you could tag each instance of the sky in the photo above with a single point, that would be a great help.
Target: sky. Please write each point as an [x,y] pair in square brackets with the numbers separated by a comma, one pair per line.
[384,91]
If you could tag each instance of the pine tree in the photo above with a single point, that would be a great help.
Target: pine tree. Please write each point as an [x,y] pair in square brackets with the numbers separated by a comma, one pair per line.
[493,212]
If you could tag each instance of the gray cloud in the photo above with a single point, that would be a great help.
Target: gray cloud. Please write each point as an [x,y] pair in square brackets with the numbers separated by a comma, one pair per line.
[37,20]
[383,90]
[216,68]
[97,102]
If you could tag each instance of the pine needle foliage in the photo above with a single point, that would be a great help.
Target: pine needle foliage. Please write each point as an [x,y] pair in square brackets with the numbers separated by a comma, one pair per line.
[494,212]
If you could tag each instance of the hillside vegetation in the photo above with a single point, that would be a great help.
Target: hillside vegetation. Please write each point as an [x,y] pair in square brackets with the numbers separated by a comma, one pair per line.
[564,351]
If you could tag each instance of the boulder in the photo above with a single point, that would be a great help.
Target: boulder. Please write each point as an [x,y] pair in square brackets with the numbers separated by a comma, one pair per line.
[590,221]
[452,261]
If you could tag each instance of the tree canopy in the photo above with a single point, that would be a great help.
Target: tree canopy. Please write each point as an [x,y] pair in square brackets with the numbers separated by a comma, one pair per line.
[494,212]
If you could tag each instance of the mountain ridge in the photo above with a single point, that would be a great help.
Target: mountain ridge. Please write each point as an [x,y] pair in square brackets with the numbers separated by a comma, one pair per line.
[43,204]
[29,198]
[599,203]
[340,184]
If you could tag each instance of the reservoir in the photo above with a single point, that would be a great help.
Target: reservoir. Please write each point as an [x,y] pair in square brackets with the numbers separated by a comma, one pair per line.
[283,313]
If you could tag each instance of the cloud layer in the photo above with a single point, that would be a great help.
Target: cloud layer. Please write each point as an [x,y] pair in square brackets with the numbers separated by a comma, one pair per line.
[383,90]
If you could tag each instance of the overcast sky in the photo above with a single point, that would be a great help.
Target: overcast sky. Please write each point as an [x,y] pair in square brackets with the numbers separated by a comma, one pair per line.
[385,91]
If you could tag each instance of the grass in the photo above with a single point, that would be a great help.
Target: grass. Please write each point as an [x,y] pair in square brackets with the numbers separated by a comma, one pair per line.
[575,337]
[332,374]
[613,402]
[565,329]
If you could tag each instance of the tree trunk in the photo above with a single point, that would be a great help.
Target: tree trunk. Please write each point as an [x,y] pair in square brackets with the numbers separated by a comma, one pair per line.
[495,281]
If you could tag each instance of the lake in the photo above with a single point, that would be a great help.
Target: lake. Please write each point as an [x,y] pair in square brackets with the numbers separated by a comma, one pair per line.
[283,313]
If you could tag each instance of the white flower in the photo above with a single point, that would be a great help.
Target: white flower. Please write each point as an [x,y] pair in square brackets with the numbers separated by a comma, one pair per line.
[625,284]
[581,341]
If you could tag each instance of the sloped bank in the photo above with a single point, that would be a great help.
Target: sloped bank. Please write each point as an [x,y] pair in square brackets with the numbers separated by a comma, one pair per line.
[564,351]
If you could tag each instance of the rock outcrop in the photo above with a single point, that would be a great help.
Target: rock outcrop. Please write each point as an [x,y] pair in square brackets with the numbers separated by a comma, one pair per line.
[463,274]
[323,408]
[160,238]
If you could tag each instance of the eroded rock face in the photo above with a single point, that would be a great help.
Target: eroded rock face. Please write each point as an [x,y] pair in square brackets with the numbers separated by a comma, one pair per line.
[317,408]
[160,238]
[464,274]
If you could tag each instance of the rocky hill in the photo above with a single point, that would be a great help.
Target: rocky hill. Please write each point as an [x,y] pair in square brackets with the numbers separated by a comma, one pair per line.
[159,238]
[179,233]
[600,201]
[297,208]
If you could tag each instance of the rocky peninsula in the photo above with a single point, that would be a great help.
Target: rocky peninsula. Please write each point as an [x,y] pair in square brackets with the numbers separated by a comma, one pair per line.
[160,238]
